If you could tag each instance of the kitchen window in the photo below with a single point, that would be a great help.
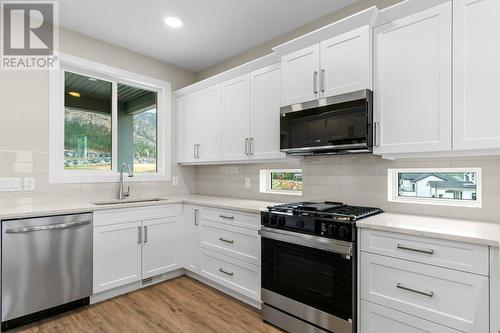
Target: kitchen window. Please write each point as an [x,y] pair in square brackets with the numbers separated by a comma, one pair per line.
[102,117]
[281,181]
[445,186]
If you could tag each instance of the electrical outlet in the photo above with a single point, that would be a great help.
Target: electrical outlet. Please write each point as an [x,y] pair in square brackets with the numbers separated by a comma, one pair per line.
[175,181]
[10,184]
[248,183]
[29,184]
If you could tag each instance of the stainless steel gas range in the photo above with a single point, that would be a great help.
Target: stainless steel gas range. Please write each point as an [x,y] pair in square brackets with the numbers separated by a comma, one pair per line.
[309,266]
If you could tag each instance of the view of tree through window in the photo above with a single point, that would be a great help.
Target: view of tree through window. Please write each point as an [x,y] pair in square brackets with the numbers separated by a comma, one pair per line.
[286,181]
[438,185]
[88,138]
[87,123]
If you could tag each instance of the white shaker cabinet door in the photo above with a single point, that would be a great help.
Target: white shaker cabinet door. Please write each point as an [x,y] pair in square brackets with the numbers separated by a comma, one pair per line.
[476,74]
[187,128]
[346,63]
[160,248]
[412,91]
[265,115]
[207,124]
[236,118]
[117,255]
[300,76]
[191,224]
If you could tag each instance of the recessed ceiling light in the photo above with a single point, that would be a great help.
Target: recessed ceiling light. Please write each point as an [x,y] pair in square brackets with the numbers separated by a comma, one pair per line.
[74,93]
[92,79]
[173,22]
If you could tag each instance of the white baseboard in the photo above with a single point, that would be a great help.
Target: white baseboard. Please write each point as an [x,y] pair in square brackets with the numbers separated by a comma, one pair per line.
[225,290]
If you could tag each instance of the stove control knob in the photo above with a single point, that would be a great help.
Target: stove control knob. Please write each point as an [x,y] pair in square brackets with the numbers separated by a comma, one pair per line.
[281,221]
[273,219]
[265,218]
[300,224]
[331,230]
[343,231]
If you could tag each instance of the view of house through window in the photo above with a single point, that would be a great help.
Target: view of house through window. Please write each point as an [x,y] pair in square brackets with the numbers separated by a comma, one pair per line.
[443,186]
[88,125]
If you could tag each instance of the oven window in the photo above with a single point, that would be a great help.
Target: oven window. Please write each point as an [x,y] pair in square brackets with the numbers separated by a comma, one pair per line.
[314,277]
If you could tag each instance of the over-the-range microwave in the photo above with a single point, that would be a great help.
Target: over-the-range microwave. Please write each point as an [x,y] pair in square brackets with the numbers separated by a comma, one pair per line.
[334,125]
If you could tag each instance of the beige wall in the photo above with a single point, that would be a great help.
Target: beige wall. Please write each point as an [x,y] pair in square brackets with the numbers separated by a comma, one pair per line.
[265,48]
[354,179]
[24,123]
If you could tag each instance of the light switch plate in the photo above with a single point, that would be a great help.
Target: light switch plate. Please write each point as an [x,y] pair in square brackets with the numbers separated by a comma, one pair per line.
[29,184]
[175,181]
[10,184]
[248,183]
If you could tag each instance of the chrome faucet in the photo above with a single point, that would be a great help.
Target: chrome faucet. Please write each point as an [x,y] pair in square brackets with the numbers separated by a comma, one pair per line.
[121,194]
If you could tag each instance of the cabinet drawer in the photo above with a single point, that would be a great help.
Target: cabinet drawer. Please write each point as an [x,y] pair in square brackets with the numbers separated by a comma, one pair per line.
[231,217]
[460,256]
[455,299]
[122,215]
[234,274]
[236,242]
[377,319]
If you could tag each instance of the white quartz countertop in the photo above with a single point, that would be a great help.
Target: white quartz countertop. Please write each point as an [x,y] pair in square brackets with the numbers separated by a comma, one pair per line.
[475,232]
[72,207]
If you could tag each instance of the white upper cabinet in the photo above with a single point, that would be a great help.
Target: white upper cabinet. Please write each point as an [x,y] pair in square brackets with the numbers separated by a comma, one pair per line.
[300,76]
[413,77]
[199,125]
[265,115]
[236,118]
[346,63]
[476,74]
[207,124]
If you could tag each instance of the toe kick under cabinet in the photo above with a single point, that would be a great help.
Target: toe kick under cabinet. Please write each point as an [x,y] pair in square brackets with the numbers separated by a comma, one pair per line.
[417,284]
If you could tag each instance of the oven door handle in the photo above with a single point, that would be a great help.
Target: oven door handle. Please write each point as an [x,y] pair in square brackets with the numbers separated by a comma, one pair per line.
[320,243]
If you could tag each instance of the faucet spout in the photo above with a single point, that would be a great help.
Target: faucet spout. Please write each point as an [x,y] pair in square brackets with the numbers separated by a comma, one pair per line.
[121,193]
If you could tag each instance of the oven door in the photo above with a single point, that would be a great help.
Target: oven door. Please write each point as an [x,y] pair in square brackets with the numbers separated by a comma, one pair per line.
[303,273]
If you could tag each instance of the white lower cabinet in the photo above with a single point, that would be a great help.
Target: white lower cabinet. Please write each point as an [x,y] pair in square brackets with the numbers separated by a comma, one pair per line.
[117,255]
[416,284]
[379,319]
[133,244]
[224,247]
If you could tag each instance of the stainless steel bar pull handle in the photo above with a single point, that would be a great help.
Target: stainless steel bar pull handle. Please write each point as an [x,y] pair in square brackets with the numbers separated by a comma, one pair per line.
[322,81]
[196,216]
[251,146]
[194,151]
[315,82]
[375,134]
[139,231]
[145,234]
[46,227]
[412,249]
[230,241]
[228,217]
[416,291]
[222,270]
[246,146]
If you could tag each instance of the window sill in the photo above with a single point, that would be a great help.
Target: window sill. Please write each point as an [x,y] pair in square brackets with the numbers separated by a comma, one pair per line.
[435,202]
[114,178]
[282,193]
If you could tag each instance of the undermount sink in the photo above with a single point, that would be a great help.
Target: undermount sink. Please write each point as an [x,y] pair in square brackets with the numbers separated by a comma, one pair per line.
[126,201]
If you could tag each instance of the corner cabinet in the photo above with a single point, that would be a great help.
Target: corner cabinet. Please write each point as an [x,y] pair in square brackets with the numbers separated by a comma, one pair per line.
[412,86]
[335,66]
[476,74]
[237,120]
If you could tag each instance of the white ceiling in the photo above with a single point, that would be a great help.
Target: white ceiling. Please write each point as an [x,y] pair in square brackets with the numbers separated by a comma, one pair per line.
[214,30]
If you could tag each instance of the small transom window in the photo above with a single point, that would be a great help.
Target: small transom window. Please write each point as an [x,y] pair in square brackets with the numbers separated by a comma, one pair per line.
[453,187]
[281,181]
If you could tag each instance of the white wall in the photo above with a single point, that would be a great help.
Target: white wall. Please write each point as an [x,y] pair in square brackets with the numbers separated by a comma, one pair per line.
[24,124]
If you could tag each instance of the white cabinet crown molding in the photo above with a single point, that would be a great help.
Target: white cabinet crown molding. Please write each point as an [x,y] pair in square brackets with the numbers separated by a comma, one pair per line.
[355,21]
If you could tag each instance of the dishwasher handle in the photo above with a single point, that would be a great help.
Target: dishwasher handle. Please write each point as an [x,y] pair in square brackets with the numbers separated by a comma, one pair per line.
[47,227]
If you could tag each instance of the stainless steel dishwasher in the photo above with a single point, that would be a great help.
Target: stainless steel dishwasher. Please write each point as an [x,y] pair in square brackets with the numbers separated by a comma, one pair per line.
[46,266]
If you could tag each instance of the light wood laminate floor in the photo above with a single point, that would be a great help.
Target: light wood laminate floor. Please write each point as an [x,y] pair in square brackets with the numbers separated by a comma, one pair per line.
[179,305]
